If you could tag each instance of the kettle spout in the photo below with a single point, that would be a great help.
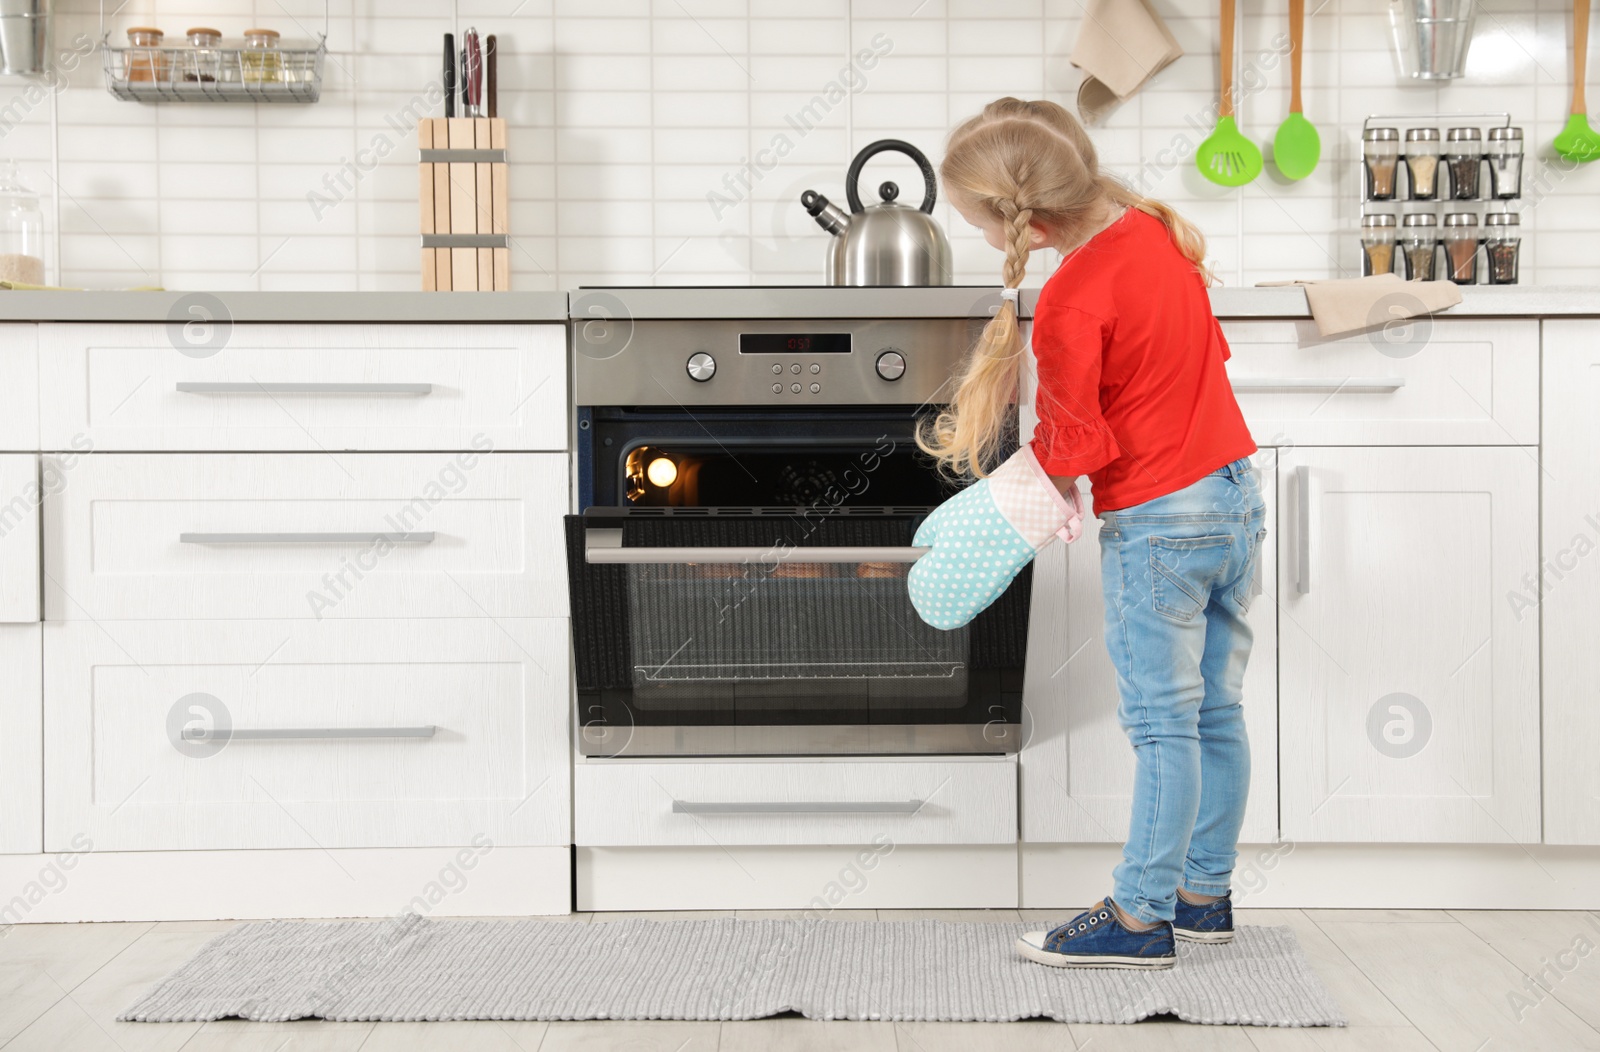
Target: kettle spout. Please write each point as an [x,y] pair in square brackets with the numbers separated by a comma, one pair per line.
[828,215]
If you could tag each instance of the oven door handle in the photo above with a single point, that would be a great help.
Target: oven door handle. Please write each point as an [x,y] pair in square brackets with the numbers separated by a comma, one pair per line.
[778,807]
[605,546]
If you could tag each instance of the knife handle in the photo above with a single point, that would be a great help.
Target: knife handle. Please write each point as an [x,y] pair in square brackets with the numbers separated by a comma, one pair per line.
[491,61]
[449,74]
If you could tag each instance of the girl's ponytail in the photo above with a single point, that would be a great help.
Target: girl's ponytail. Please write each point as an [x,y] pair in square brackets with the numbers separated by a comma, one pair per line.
[1185,235]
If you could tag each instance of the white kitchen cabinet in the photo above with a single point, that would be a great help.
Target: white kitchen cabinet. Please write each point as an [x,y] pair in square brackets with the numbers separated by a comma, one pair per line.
[21,740]
[1429,382]
[304,387]
[1077,765]
[1408,678]
[339,733]
[190,536]
[1568,599]
[20,498]
[710,802]
[19,387]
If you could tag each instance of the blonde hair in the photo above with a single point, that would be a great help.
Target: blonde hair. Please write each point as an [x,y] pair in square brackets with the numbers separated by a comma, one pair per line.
[1023,163]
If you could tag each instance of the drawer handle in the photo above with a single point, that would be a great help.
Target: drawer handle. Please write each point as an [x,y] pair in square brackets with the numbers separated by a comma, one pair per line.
[1302,562]
[774,807]
[607,549]
[253,387]
[1317,383]
[275,733]
[419,537]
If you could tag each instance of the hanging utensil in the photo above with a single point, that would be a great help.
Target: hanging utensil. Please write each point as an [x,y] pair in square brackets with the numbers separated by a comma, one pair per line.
[1227,158]
[1297,147]
[1578,141]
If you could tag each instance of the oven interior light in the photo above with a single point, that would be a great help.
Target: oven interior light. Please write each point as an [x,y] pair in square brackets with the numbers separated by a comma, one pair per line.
[662,472]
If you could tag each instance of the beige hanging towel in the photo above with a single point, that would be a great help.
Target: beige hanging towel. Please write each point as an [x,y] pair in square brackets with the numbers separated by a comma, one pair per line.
[1123,43]
[1351,304]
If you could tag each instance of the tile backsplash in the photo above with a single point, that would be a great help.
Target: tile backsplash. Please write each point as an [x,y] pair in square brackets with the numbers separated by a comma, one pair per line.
[668,141]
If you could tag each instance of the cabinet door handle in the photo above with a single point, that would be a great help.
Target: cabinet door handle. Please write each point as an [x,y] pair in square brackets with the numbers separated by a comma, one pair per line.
[1332,385]
[254,387]
[418,537]
[777,807]
[275,733]
[1302,574]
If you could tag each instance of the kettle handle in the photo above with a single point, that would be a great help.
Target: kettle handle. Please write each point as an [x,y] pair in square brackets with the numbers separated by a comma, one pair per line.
[854,175]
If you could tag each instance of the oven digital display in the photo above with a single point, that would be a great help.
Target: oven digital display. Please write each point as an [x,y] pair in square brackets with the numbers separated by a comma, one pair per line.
[794,343]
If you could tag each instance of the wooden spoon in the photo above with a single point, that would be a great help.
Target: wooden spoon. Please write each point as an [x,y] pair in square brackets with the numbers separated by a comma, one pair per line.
[1297,147]
[1227,158]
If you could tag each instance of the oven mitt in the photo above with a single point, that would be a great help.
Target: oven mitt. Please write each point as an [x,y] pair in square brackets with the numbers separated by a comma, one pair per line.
[983,536]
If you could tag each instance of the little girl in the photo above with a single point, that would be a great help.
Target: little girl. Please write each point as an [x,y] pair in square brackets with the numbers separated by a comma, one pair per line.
[1132,392]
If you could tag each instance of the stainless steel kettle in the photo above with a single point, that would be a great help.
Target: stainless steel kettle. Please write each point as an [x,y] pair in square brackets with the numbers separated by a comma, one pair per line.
[888,243]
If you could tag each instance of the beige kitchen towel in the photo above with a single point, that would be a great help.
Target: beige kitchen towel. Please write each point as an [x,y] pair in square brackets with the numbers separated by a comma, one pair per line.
[1351,304]
[1123,43]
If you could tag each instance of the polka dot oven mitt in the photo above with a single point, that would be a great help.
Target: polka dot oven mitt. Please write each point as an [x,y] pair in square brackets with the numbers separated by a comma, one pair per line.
[983,536]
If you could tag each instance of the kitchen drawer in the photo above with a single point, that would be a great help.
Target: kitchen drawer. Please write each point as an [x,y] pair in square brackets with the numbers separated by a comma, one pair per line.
[19,386]
[339,733]
[306,535]
[1439,381]
[20,495]
[316,387]
[622,803]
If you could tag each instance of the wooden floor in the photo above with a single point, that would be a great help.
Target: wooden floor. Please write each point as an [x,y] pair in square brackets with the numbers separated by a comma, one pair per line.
[1407,980]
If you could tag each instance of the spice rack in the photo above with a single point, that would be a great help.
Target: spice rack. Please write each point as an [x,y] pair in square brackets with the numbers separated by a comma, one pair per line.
[1461,202]
[184,73]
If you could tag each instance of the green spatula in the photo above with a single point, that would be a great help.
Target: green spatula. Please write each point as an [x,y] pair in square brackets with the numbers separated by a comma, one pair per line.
[1296,148]
[1578,141]
[1227,158]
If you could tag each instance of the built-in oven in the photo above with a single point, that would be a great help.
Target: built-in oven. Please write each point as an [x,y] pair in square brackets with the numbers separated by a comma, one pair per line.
[748,489]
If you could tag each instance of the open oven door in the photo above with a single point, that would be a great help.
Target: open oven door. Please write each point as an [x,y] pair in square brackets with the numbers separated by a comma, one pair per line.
[779,631]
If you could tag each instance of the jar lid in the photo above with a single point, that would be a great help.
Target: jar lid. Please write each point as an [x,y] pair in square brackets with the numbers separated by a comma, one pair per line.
[145,29]
[203,31]
[1461,219]
[1381,135]
[1378,219]
[1422,134]
[1421,219]
[273,34]
[1500,134]
[1502,219]
[1464,134]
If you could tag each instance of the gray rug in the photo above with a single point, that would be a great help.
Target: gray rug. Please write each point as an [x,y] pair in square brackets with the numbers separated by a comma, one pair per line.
[715,969]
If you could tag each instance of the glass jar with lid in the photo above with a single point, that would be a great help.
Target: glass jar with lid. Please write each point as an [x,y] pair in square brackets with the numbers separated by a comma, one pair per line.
[1377,244]
[1461,247]
[144,61]
[261,58]
[1463,155]
[1380,152]
[1419,243]
[203,63]
[1504,150]
[21,230]
[1422,162]
[1502,238]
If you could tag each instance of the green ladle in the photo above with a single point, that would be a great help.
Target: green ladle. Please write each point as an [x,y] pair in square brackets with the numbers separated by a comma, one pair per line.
[1296,148]
[1227,158]
[1578,141]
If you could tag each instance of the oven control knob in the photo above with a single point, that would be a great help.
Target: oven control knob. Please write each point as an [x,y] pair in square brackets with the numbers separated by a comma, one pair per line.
[701,366]
[891,365]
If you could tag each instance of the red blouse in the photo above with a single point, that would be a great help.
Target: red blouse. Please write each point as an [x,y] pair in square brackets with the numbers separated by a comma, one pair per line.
[1132,390]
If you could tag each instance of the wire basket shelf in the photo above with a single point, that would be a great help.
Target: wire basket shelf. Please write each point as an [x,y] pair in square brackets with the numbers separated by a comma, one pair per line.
[187,74]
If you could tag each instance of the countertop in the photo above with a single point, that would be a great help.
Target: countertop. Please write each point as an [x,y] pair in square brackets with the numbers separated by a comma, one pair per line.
[668,302]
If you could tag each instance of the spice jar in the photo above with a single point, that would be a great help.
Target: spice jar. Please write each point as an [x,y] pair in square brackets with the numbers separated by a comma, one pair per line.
[1461,247]
[203,62]
[1422,162]
[1380,152]
[261,59]
[1377,244]
[145,62]
[1463,154]
[21,230]
[1419,241]
[1505,162]
[1501,241]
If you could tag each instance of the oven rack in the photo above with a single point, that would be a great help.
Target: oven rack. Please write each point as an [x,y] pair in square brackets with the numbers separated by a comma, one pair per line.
[857,670]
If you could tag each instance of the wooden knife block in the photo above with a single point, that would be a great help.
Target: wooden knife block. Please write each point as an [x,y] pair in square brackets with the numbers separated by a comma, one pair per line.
[462,198]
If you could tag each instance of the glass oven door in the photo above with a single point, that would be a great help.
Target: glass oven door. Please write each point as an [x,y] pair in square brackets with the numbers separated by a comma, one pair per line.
[773,631]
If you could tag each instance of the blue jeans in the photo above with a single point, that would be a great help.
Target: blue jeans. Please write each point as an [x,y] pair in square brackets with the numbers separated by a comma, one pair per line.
[1178,573]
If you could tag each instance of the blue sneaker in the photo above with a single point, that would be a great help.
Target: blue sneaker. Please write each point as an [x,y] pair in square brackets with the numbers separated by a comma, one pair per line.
[1096,939]
[1210,923]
